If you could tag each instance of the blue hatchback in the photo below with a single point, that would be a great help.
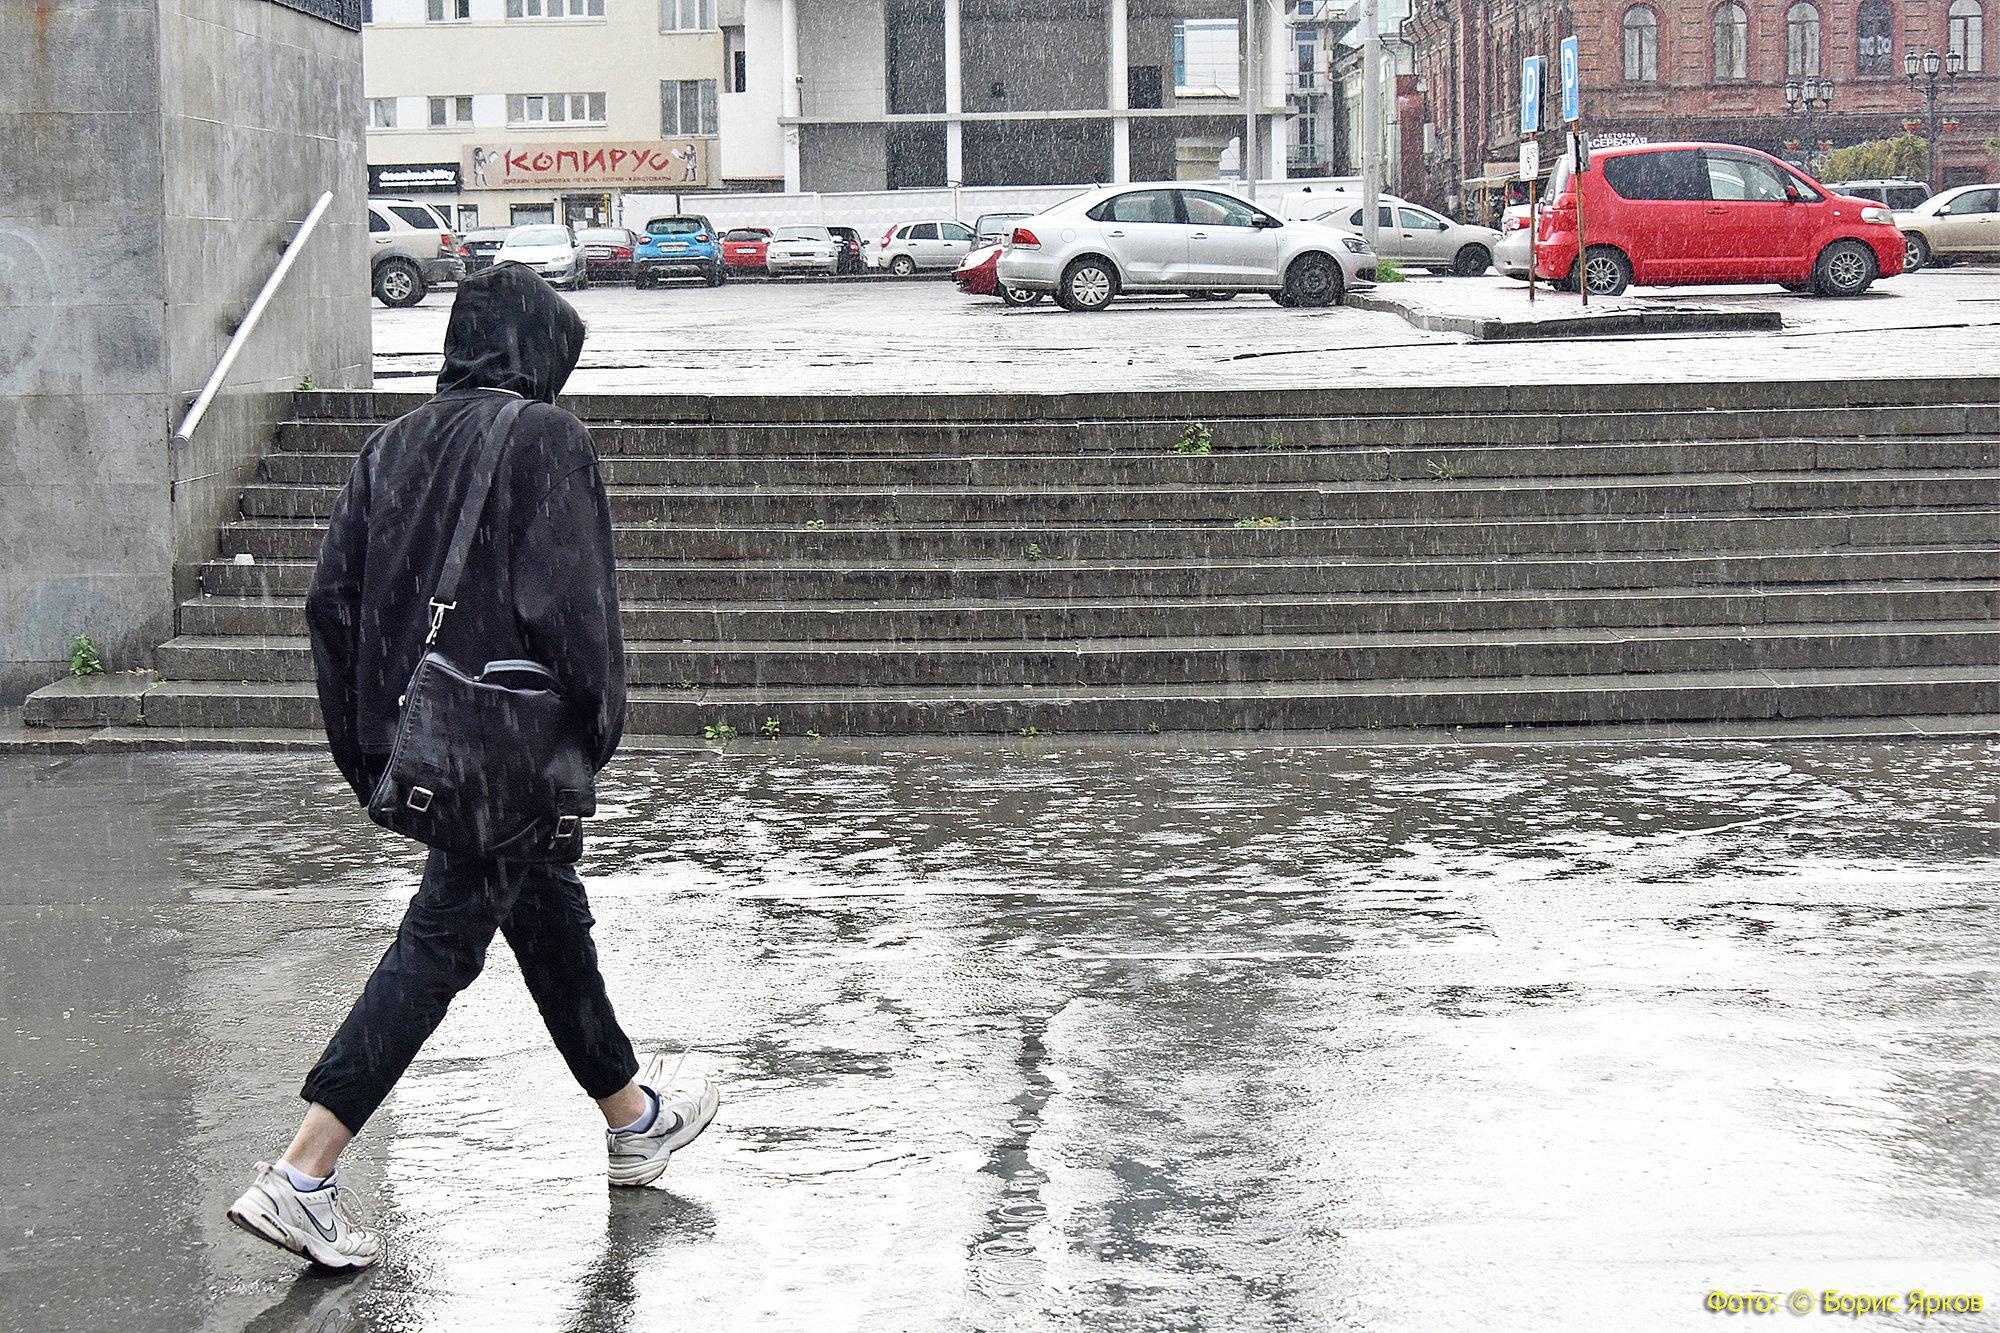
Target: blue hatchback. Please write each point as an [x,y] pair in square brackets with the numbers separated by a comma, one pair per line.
[684,245]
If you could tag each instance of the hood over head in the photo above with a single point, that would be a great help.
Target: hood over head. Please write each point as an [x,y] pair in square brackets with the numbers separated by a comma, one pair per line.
[508,330]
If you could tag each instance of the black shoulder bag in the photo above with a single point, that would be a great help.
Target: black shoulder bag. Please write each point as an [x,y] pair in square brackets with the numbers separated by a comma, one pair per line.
[492,765]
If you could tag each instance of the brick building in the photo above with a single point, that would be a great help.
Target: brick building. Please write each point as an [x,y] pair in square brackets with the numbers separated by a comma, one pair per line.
[1697,69]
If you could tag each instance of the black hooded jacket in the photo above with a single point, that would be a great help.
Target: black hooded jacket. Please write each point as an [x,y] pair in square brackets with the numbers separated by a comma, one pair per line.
[540,582]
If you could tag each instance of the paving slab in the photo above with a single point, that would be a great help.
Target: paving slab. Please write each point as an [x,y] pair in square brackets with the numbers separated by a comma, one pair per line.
[1048,1037]
[828,339]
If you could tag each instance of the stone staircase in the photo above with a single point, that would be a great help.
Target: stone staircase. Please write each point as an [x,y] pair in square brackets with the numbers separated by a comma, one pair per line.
[1527,557]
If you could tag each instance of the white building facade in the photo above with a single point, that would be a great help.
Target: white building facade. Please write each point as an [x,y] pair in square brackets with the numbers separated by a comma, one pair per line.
[896,94]
[502,112]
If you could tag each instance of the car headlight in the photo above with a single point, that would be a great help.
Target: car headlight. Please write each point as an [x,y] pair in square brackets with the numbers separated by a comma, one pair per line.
[1356,245]
[1879,215]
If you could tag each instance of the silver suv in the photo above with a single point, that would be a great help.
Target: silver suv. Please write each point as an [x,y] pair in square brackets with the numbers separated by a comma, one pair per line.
[413,251]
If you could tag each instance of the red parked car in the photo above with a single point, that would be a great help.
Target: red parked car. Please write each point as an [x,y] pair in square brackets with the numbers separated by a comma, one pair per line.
[744,247]
[1683,213]
[978,274]
[607,251]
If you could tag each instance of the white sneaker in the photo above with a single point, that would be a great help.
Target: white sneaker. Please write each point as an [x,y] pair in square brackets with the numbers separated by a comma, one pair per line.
[316,1225]
[685,1111]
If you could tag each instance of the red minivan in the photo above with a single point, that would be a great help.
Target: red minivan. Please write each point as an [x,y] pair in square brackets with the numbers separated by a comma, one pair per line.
[1678,213]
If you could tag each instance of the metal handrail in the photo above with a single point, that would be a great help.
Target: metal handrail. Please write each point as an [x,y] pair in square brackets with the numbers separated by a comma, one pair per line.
[249,324]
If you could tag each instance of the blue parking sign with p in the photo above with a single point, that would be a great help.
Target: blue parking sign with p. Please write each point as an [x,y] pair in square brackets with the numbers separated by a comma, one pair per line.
[1531,94]
[1572,79]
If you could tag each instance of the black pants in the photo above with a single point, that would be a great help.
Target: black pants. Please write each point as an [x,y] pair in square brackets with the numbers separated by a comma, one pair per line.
[440,948]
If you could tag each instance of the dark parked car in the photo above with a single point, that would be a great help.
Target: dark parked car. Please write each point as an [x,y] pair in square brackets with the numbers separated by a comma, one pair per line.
[608,251]
[479,247]
[850,249]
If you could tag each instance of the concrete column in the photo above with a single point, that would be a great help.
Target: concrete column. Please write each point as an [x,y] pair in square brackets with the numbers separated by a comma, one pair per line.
[789,101]
[1117,89]
[954,98]
[1280,59]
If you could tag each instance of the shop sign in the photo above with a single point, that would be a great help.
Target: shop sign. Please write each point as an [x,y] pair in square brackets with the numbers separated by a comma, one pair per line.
[662,164]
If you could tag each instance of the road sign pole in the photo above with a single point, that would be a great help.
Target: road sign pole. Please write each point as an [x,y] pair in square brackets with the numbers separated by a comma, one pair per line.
[1580,162]
[1532,227]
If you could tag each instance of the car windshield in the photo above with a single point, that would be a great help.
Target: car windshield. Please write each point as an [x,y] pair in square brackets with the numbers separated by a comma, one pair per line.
[744,234]
[674,226]
[803,234]
[989,222]
[538,236]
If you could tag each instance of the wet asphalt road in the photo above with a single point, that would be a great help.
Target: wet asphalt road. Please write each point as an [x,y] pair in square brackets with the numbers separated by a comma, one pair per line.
[1045,1039]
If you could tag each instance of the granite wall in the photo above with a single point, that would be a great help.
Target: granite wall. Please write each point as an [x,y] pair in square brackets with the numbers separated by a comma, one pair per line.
[155,156]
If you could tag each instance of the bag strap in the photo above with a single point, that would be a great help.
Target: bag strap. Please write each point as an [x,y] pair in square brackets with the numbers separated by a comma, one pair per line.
[483,470]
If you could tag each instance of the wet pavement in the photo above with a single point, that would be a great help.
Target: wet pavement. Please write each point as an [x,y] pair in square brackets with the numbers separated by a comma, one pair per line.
[886,337]
[1035,1038]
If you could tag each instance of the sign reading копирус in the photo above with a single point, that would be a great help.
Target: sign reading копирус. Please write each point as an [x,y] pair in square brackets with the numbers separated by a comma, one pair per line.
[660,163]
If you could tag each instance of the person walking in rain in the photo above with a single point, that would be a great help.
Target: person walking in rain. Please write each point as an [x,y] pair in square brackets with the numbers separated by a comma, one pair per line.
[540,584]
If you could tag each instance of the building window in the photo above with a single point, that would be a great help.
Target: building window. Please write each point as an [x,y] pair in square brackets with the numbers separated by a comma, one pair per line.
[381,113]
[449,111]
[687,107]
[525,215]
[687,15]
[445,11]
[1642,45]
[1802,42]
[1967,37]
[468,217]
[1732,43]
[1874,39]
[739,72]
[1205,58]
[555,9]
[555,108]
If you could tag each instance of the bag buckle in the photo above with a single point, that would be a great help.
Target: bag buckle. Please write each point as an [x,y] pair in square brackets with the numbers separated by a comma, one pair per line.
[566,826]
[437,619]
[419,799]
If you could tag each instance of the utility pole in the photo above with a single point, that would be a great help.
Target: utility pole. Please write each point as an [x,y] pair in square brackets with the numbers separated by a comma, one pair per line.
[1248,89]
[1371,122]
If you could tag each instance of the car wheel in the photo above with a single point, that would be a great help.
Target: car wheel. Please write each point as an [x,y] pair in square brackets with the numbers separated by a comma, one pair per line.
[1607,271]
[1209,296]
[1471,260]
[399,283]
[1313,280]
[1016,296]
[642,281]
[1283,298]
[902,266]
[1796,286]
[1845,268]
[717,275]
[1916,252]
[1088,284]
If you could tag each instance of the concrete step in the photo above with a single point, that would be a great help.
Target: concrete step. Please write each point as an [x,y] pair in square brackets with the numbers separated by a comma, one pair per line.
[988,507]
[1055,432]
[931,619]
[1158,465]
[1019,577]
[921,543]
[1300,706]
[1559,395]
[1209,657]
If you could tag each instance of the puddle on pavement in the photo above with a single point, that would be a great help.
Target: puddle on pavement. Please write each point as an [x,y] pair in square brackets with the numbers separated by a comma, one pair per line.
[1048,1039]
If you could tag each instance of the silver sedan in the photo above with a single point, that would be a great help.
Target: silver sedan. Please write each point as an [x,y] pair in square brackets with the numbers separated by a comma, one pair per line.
[802,250]
[1175,238]
[1415,237]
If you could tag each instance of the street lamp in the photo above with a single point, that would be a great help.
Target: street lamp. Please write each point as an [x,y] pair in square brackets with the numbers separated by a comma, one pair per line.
[1809,99]
[1922,71]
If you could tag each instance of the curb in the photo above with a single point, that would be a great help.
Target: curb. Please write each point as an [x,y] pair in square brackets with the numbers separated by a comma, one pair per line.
[1622,323]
